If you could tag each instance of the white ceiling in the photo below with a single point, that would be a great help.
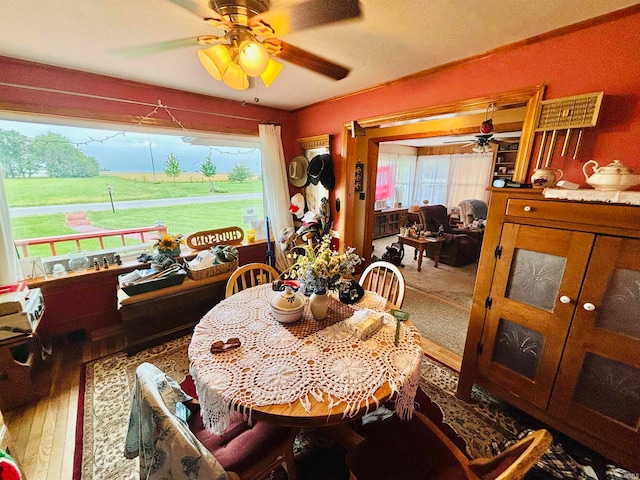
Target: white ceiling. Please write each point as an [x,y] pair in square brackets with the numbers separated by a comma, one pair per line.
[392,39]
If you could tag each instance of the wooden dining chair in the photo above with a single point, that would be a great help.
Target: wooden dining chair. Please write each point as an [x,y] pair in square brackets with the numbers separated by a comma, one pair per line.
[250,275]
[385,279]
[168,439]
[418,449]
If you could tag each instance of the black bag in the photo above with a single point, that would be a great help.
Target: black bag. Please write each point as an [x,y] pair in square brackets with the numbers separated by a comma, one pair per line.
[394,254]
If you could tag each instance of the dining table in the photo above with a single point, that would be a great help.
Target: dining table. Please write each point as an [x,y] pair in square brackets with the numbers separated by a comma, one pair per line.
[307,373]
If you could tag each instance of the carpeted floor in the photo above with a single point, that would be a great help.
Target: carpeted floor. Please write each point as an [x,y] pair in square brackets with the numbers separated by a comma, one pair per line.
[105,401]
[438,299]
[437,318]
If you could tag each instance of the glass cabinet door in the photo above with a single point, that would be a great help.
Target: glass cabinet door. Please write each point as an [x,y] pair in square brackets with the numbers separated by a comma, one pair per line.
[599,379]
[536,282]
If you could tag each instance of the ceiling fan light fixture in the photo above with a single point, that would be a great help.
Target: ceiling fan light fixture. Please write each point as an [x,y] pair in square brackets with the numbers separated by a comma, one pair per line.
[253,58]
[235,77]
[215,60]
[271,72]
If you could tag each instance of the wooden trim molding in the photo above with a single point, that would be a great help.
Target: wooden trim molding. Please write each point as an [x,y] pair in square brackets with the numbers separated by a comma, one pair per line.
[319,141]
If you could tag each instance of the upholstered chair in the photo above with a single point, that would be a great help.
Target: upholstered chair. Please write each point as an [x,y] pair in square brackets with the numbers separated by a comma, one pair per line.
[459,248]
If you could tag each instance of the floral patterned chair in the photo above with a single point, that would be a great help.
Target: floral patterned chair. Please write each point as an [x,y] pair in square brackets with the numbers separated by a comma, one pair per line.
[172,444]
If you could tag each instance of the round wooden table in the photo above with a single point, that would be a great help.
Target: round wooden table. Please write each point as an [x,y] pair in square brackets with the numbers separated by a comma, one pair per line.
[304,374]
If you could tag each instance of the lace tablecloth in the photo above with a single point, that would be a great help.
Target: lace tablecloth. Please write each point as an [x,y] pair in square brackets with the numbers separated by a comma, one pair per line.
[309,360]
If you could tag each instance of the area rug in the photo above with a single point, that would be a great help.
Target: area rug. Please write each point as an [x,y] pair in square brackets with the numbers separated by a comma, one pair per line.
[441,320]
[103,416]
[483,425]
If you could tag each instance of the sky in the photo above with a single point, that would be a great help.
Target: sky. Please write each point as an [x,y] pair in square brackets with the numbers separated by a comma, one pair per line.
[127,151]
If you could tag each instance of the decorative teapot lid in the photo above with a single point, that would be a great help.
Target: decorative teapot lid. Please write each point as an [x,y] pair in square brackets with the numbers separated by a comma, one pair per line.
[287,300]
[615,168]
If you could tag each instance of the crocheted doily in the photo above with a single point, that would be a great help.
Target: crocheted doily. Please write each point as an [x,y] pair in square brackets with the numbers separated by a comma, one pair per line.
[309,359]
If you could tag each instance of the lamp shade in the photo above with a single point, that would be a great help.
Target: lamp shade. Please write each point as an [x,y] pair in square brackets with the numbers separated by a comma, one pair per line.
[235,77]
[215,60]
[271,72]
[253,58]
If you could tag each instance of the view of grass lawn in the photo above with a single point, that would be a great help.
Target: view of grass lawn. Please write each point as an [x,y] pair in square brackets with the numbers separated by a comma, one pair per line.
[30,192]
[185,219]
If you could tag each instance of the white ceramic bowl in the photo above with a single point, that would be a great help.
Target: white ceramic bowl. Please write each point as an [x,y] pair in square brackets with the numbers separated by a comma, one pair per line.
[287,306]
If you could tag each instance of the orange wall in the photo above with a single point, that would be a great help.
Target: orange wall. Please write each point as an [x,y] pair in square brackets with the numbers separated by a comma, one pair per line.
[604,57]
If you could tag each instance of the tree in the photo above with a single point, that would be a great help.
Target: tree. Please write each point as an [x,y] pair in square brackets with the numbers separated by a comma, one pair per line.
[61,158]
[240,173]
[208,169]
[16,158]
[172,167]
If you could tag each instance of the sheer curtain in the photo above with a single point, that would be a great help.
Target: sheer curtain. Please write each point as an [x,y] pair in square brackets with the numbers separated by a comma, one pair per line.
[432,176]
[469,176]
[274,187]
[10,271]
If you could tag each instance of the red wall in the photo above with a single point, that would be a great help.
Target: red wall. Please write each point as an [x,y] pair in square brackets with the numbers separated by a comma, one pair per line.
[601,57]
[92,94]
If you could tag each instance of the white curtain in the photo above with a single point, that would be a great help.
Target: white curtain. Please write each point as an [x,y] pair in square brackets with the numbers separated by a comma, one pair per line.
[469,176]
[275,189]
[432,175]
[386,177]
[10,268]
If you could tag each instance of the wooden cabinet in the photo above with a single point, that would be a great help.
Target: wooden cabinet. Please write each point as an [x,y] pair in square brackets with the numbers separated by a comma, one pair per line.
[159,315]
[555,322]
[388,222]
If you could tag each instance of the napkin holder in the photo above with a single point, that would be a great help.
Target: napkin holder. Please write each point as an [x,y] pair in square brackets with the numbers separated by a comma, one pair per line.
[364,323]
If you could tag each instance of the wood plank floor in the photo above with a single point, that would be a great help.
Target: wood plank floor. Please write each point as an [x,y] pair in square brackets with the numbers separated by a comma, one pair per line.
[43,433]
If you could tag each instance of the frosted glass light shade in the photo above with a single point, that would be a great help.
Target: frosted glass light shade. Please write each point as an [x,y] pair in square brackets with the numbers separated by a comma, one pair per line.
[253,58]
[235,77]
[271,72]
[215,60]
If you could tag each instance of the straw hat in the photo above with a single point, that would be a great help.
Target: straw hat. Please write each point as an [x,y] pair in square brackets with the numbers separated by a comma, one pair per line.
[298,171]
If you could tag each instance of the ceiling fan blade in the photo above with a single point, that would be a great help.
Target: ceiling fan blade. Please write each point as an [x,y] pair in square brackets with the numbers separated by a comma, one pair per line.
[309,14]
[196,7]
[154,48]
[312,62]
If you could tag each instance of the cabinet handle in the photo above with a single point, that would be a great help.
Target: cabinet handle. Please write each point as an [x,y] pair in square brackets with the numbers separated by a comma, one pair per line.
[589,307]
[527,208]
[565,299]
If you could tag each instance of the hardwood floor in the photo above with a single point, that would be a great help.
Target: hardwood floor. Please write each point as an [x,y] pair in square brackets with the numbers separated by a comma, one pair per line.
[43,433]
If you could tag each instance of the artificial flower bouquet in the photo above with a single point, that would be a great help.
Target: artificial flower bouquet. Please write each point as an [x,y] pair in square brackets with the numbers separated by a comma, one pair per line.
[169,244]
[320,268]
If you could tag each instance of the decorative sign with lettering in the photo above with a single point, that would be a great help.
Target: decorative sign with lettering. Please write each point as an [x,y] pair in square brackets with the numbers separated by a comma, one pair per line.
[211,238]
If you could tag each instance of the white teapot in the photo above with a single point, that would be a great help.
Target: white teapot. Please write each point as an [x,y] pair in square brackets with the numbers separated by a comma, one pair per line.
[615,176]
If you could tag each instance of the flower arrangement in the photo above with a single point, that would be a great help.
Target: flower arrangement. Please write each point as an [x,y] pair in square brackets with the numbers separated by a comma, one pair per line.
[320,269]
[169,244]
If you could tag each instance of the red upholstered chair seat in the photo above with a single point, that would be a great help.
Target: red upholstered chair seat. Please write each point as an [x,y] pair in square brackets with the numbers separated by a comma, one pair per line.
[242,447]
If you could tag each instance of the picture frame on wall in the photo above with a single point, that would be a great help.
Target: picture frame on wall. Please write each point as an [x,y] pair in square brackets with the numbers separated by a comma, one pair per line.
[359,177]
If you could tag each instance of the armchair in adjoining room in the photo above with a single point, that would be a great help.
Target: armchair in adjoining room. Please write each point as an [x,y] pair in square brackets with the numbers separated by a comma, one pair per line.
[458,248]
[472,209]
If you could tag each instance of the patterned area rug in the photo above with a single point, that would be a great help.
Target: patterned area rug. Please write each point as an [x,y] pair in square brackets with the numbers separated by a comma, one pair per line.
[484,425]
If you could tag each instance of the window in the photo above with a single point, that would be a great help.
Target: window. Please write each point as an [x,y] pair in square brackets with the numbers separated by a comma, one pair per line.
[68,179]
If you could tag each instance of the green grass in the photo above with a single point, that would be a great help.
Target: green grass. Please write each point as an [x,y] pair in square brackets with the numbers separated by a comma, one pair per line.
[31,192]
[185,219]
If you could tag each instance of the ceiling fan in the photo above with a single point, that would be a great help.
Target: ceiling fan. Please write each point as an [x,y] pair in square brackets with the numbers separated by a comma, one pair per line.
[249,43]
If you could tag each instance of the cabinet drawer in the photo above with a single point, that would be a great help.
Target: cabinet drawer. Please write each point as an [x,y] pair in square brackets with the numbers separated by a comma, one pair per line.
[585,213]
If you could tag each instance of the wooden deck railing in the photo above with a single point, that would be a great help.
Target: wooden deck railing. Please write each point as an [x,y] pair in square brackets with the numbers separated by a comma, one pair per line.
[24,244]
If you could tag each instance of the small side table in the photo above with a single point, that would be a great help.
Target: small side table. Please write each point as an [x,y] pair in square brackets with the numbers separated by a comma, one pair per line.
[420,245]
